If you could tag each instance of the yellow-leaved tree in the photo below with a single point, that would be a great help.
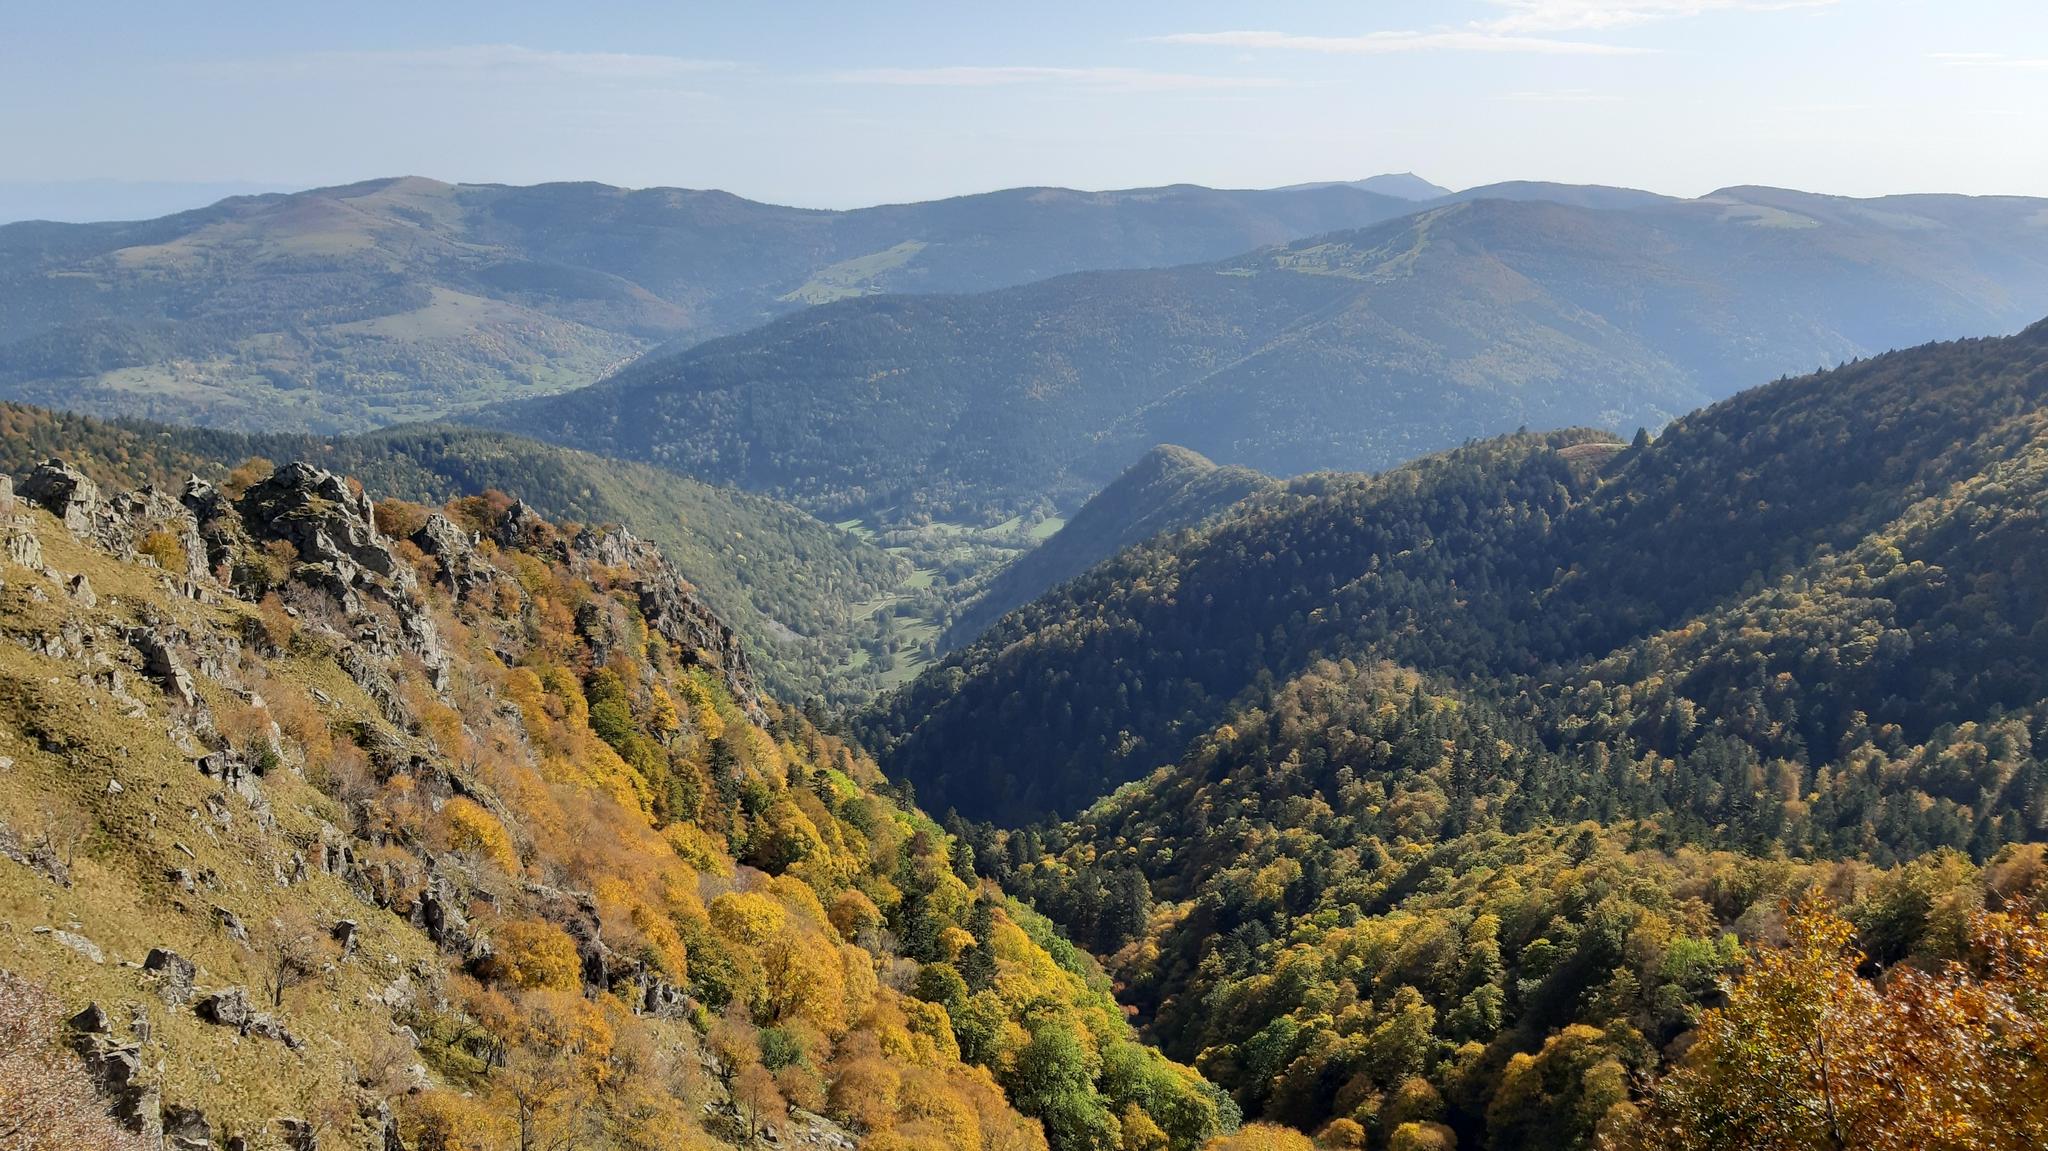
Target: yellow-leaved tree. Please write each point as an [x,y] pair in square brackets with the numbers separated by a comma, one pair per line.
[1808,1054]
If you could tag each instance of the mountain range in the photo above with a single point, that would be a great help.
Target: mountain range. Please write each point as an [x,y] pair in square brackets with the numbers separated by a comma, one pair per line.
[1425,807]
[347,308]
[1349,350]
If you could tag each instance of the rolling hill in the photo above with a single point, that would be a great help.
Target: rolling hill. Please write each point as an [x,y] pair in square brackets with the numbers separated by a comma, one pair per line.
[346,308]
[1350,350]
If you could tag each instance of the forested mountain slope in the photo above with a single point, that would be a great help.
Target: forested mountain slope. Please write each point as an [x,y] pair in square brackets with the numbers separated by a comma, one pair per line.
[1466,786]
[787,583]
[345,308]
[1351,350]
[1168,489]
[459,829]
[1377,910]
[1741,620]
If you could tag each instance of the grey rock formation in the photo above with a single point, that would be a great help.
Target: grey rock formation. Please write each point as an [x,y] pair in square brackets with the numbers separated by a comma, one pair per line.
[64,492]
[174,973]
[116,1070]
[458,567]
[160,661]
[186,1129]
[228,1007]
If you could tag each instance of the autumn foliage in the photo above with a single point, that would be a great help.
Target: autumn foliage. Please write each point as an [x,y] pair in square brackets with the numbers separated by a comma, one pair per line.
[1808,1053]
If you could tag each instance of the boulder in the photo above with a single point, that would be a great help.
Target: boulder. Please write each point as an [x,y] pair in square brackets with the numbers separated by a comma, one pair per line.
[25,549]
[231,923]
[186,1129]
[116,1070]
[162,663]
[65,492]
[228,1007]
[75,942]
[175,975]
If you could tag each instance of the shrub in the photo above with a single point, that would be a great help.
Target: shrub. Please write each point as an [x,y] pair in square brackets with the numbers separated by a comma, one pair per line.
[535,953]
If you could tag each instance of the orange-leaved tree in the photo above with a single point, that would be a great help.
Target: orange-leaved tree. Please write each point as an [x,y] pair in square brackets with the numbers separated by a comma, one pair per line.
[1808,1054]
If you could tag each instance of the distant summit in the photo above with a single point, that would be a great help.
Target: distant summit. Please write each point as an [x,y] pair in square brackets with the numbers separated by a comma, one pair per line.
[1406,185]
[1401,185]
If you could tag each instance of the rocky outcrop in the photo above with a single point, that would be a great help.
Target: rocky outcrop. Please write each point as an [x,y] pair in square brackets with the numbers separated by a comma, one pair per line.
[145,519]
[230,1008]
[458,567]
[670,606]
[117,1072]
[129,524]
[186,1129]
[64,492]
[331,528]
[160,661]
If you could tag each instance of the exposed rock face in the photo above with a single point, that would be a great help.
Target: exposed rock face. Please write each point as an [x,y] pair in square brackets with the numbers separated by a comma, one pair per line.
[160,661]
[65,492]
[331,527]
[321,514]
[24,548]
[670,606]
[460,569]
[667,602]
[123,524]
[133,517]
[186,1129]
[229,1007]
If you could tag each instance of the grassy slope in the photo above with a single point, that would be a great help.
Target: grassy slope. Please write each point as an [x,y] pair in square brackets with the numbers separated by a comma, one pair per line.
[572,840]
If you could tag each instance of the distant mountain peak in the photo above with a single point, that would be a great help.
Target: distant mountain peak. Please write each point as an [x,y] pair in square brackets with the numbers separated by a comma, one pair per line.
[1406,185]
[1398,185]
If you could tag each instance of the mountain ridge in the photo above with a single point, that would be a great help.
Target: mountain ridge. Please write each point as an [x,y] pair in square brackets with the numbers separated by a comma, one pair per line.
[1347,350]
[406,298]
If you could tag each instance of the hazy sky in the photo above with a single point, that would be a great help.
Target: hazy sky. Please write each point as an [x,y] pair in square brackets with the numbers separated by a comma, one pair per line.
[838,104]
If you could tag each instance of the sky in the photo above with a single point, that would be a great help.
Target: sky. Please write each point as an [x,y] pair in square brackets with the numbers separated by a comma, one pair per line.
[844,104]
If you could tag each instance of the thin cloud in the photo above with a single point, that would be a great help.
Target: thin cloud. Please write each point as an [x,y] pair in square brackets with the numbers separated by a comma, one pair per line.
[1113,79]
[506,59]
[1389,43]
[1599,15]
[1521,28]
